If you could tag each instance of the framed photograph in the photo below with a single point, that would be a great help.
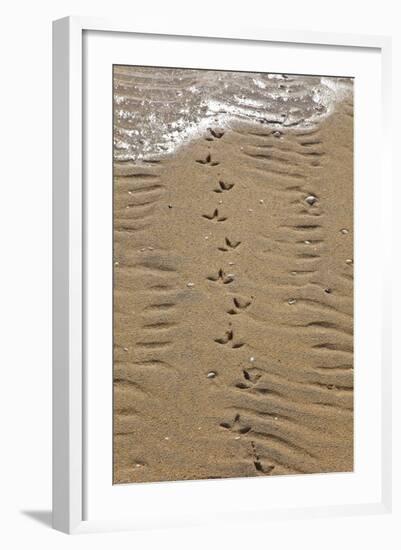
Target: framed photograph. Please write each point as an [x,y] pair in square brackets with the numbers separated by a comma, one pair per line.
[219,333]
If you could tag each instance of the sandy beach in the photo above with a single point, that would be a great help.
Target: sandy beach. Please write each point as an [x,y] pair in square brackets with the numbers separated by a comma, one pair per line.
[233,292]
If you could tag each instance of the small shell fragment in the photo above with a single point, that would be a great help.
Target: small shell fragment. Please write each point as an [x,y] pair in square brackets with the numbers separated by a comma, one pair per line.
[311,199]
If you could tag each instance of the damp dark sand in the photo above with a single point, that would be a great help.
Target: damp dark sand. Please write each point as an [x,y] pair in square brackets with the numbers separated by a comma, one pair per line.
[233,303]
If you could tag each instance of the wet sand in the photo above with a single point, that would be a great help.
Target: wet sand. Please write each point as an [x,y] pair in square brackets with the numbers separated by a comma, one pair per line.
[233,304]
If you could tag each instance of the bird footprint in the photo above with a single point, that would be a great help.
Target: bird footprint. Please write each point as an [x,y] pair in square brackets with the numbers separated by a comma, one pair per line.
[223,277]
[216,133]
[252,376]
[236,425]
[208,160]
[239,304]
[229,244]
[214,216]
[228,338]
[224,187]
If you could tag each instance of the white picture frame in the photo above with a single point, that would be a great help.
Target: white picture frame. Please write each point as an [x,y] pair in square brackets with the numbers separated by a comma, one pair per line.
[70,256]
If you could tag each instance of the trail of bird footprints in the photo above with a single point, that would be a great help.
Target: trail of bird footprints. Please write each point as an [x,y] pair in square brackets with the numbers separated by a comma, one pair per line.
[271,434]
[230,339]
[229,244]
